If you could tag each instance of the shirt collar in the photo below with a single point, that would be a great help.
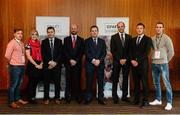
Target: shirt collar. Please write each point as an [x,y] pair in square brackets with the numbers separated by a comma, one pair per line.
[141,36]
[51,39]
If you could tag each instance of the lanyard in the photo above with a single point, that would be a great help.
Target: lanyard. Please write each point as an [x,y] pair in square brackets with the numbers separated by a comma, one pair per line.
[158,41]
[19,43]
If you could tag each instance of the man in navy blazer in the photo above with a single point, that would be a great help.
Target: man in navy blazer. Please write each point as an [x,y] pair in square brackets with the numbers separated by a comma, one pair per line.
[95,51]
[52,51]
[73,50]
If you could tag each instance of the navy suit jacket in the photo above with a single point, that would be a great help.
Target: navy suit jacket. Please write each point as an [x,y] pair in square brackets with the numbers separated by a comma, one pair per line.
[98,52]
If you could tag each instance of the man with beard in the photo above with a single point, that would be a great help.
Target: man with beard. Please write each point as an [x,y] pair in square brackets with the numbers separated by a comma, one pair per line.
[73,50]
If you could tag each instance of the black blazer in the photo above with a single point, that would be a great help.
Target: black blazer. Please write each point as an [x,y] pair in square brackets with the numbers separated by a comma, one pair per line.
[117,49]
[141,51]
[73,53]
[46,51]
[95,53]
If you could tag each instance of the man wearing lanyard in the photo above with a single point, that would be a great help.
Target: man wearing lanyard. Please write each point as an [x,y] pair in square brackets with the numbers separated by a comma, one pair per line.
[16,64]
[163,52]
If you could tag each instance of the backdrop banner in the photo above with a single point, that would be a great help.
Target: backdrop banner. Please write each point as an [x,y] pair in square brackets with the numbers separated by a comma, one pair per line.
[61,25]
[107,27]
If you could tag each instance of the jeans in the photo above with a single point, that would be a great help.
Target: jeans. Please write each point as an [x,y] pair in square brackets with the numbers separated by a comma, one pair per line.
[157,69]
[16,74]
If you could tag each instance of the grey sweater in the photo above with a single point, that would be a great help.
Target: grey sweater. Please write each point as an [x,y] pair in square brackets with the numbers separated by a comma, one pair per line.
[165,46]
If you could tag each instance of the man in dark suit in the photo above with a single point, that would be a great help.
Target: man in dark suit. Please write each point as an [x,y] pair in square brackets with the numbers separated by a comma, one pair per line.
[120,49]
[141,46]
[73,50]
[52,50]
[95,51]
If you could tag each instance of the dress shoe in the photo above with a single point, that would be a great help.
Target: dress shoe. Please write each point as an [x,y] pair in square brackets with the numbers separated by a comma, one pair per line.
[86,102]
[46,102]
[68,101]
[102,102]
[144,104]
[125,99]
[79,100]
[20,101]
[14,105]
[135,102]
[32,101]
[57,101]
[116,101]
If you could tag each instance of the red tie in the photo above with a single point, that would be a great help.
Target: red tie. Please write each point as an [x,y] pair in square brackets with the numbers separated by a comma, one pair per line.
[74,42]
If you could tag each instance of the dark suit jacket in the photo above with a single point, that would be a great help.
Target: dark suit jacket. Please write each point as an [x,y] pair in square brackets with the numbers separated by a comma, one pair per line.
[73,53]
[95,53]
[46,52]
[117,49]
[141,51]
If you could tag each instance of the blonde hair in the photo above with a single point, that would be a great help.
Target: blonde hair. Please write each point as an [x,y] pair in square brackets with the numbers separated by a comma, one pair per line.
[34,31]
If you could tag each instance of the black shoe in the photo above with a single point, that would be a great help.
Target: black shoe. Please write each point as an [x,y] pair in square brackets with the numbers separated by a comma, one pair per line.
[116,101]
[135,102]
[125,99]
[79,100]
[102,102]
[144,104]
[32,101]
[68,101]
[86,102]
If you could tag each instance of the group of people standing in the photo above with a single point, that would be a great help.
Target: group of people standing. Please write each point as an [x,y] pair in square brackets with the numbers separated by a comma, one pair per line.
[45,60]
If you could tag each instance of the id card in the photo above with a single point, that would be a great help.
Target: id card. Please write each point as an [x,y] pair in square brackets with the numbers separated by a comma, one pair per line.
[157,54]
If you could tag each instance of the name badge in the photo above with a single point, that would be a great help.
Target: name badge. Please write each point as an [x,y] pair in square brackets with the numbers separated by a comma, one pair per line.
[157,54]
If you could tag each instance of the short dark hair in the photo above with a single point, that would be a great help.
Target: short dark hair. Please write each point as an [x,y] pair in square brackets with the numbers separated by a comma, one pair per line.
[94,26]
[141,24]
[17,30]
[160,23]
[50,27]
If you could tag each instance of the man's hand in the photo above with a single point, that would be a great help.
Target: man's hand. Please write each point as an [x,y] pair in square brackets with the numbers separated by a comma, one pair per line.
[97,62]
[52,64]
[122,61]
[72,62]
[134,63]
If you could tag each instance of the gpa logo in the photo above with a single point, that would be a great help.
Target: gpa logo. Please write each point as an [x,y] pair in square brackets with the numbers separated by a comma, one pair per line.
[57,27]
[110,28]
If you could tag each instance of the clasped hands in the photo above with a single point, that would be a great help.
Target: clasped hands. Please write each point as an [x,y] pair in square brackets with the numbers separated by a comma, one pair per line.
[52,64]
[96,62]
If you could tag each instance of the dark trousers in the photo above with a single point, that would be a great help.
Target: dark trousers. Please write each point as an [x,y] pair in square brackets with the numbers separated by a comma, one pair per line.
[115,79]
[140,76]
[52,76]
[32,85]
[73,78]
[90,73]
[34,77]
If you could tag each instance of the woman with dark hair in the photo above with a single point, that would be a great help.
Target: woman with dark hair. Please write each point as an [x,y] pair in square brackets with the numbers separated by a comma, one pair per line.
[34,65]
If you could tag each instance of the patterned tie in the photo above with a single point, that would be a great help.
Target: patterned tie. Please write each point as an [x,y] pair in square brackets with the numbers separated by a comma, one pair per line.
[74,42]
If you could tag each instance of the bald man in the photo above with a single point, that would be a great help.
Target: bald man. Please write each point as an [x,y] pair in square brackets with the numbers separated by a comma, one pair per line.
[73,49]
